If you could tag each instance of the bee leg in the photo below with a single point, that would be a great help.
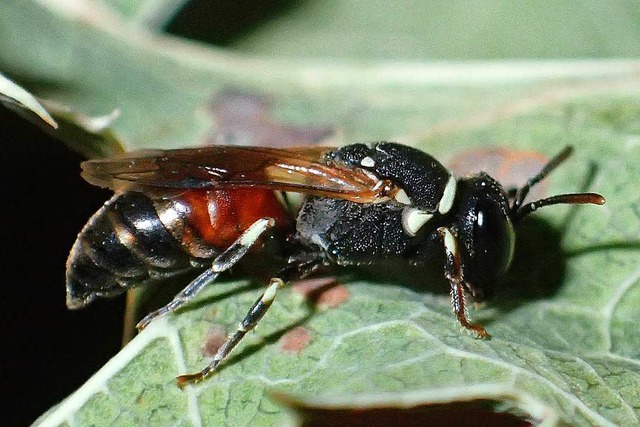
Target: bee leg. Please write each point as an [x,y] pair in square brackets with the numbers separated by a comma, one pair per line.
[453,272]
[256,312]
[221,263]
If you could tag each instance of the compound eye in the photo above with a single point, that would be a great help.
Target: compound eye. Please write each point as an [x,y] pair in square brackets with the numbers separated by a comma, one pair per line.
[493,240]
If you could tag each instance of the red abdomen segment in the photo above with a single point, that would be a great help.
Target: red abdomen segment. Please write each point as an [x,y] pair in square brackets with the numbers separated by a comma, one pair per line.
[135,237]
[216,218]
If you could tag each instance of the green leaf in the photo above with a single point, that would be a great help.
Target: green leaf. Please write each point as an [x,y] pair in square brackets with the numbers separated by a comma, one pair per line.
[152,14]
[451,30]
[565,342]
[575,349]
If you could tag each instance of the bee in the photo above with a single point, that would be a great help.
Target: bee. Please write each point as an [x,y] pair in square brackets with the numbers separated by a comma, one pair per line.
[205,208]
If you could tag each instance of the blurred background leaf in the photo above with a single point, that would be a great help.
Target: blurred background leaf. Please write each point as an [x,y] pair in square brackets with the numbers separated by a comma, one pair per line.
[15,97]
[454,30]
[153,14]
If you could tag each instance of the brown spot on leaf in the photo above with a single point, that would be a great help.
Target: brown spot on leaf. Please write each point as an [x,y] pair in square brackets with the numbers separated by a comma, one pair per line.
[245,119]
[512,168]
[216,336]
[322,292]
[295,340]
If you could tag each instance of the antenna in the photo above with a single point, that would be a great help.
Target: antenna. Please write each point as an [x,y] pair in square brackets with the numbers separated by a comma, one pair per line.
[519,211]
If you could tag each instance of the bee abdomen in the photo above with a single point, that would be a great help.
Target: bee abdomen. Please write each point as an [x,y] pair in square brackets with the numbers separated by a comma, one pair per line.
[122,245]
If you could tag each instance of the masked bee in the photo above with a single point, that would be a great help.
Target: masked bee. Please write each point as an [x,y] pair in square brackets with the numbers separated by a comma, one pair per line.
[204,208]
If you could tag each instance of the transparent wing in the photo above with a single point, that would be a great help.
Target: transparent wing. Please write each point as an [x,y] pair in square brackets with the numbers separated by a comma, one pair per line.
[303,169]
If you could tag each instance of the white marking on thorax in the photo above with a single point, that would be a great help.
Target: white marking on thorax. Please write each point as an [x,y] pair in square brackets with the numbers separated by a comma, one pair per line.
[449,195]
[413,219]
[368,162]
[402,197]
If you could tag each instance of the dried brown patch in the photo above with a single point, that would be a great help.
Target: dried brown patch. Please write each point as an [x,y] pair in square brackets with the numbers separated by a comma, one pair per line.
[216,336]
[473,412]
[512,168]
[322,292]
[295,340]
[245,119]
